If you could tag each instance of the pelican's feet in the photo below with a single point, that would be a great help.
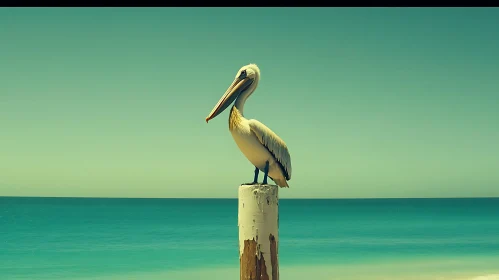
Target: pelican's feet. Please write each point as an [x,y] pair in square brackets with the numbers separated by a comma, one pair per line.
[252,183]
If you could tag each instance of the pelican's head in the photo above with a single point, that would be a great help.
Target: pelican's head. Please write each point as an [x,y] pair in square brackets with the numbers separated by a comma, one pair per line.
[245,82]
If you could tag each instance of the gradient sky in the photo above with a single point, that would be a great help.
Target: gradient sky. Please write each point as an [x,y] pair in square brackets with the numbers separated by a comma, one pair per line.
[400,102]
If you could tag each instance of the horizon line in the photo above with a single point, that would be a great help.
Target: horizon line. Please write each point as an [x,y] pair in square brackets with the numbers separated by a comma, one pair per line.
[290,198]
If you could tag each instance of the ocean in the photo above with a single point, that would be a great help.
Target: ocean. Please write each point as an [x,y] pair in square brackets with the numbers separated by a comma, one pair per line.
[180,239]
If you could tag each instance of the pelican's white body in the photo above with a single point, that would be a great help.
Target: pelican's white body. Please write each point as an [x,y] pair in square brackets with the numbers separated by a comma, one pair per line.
[255,152]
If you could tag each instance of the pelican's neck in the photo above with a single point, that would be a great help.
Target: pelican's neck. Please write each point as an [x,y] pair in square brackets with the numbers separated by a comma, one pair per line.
[241,99]
[235,118]
[239,104]
[236,112]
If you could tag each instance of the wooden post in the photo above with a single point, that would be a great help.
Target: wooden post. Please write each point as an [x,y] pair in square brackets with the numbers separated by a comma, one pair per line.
[258,220]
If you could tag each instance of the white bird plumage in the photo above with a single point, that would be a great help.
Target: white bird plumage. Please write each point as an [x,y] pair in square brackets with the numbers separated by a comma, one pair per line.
[272,142]
[263,148]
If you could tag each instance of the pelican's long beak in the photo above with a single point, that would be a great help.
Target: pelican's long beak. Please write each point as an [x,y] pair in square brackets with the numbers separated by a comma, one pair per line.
[235,89]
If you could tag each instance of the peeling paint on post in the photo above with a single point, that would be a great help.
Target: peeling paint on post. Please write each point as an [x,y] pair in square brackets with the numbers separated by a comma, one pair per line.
[258,232]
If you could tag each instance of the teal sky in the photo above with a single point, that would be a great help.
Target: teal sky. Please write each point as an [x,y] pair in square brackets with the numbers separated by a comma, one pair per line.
[371,102]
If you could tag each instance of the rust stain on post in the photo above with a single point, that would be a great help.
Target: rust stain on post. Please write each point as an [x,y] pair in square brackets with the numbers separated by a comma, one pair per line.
[273,257]
[252,263]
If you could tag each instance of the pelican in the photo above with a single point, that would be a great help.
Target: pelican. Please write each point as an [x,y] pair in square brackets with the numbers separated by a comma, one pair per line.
[261,146]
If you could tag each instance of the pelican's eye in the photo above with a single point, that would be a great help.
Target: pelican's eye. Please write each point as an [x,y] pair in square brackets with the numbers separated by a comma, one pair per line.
[243,74]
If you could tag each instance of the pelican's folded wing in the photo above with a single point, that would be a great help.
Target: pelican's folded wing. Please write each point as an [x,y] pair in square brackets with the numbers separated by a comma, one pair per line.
[274,145]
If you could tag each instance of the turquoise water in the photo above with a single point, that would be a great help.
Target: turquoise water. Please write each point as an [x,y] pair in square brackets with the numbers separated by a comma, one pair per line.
[87,238]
